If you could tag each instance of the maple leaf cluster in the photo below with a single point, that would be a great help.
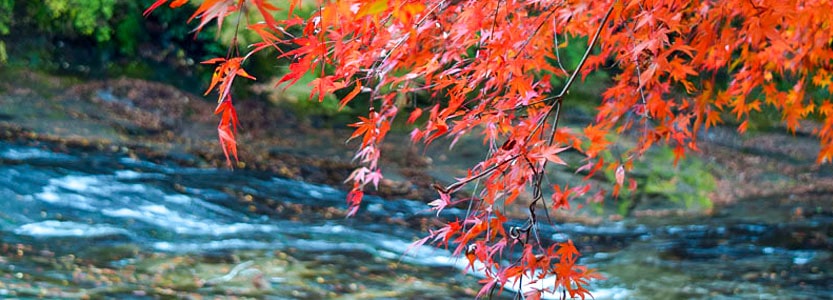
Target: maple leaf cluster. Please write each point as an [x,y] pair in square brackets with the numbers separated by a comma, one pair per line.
[680,67]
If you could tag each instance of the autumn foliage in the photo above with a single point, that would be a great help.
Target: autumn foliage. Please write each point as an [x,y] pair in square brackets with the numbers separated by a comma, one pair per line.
[494,68]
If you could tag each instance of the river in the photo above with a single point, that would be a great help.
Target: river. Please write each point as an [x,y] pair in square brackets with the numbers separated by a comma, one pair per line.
[107,225]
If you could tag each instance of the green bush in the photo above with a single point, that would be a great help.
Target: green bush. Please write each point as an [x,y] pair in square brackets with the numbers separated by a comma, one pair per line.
[66,17]
[6,7]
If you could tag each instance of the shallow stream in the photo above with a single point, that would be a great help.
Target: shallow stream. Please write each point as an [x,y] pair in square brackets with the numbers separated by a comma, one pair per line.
[107,225]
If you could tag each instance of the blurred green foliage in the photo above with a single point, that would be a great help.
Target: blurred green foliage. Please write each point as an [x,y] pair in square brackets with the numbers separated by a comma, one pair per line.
[99,31]
[6,16]
[86,18]
[5,20]
[687,183]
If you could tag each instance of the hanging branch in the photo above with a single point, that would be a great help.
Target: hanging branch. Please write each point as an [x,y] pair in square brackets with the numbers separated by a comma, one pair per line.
[555,103]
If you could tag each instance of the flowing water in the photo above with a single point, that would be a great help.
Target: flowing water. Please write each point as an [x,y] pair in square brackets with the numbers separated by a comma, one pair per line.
[107,225]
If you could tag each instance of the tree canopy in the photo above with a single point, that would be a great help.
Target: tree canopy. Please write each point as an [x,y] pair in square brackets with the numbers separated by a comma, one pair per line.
[494,69]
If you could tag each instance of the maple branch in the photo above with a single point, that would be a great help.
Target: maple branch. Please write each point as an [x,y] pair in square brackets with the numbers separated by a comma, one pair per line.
[537,190]
[457,185]
[401,41]
[641,90]
[558,98]
[497,11]
[234,45]
[537,29]
[557,52]
[323,32]
[586,53]
[555,108]
[538,194]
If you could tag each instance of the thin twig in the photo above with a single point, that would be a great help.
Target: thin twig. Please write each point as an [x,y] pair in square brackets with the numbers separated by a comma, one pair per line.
[234,45]
[457,185]
[474,196]
[586,53]
[641,90]
[494,23]
[558,52]
[557,107]
[321,39]
[534,33]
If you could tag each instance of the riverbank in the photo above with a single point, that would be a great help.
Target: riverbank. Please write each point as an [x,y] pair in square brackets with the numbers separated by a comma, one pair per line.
[156,121]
